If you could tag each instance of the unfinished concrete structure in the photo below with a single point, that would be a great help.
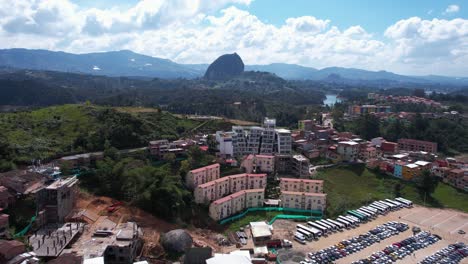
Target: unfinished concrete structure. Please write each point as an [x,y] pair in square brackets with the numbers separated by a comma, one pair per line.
[50,240]
[56,201]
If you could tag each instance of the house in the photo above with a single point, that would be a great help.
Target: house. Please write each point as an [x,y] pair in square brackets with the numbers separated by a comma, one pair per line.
[417,145]
[398,169]
[301,166]
[410,171]
[23,181]
[261,232]
[303,200]
[202,175]
[377,142]
[259,164]
[301,185]
[389,147]
[236,203]
[84,159]
[224,140]
[348,150]
[455,177]
[368,153]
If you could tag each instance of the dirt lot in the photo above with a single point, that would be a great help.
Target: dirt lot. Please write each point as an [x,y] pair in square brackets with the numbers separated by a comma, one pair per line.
[443,222]
[96,215]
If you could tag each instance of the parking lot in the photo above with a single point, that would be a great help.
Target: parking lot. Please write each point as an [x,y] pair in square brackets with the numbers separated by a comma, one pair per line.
[443,222]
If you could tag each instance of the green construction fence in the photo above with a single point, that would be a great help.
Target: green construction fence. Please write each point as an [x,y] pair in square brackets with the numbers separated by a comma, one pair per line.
[310,214]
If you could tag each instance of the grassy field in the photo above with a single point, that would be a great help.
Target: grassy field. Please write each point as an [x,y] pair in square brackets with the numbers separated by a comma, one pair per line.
[349,187]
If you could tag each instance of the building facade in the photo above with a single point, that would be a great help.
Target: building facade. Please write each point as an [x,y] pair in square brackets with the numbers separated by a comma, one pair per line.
[301,166]
[301,185]
[408,144]
[349,150]
[56,201]
[259,164]
[303,200]
[202,175]
[224,140]
[221,187]
[236,203]
[410,171]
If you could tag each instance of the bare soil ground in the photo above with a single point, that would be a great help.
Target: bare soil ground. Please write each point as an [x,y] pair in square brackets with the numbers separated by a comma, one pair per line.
[152,226]
[443,222]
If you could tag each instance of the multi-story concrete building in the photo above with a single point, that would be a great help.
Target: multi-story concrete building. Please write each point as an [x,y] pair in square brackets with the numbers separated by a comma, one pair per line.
[301,185]
[398,169]
[265,140]
[301,166]
[56,201]
[303,200]
[225,146]
[258,163]
[202,175]
[284,141]
[367,153]
[216,189]
[368,109]
[408,144]
[348,150]
[126,244]
[236,203]
[389,147]
[457,178]
[268,136]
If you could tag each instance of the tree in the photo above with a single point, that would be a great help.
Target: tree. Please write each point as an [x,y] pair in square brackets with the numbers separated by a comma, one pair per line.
[427,182]
[397,190]
[419,92]
[212,144]
[170,157]
[368,126]
[110,151]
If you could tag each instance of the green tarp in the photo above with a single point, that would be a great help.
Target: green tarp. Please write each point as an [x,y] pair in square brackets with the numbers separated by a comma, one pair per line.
[312,213]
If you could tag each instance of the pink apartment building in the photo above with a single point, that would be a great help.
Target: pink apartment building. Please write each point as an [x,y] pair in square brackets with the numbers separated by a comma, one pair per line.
[236,203]
[202,175]
[301,185]
[259,163]
[213,190]
[303,200]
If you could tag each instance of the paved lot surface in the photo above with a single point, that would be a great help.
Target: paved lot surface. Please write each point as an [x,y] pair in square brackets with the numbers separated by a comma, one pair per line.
[443,222]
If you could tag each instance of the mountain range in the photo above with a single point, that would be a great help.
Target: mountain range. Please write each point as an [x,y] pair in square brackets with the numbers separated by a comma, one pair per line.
[131,64]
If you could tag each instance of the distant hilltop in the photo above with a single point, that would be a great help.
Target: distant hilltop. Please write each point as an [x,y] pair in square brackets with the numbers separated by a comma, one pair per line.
[225,67]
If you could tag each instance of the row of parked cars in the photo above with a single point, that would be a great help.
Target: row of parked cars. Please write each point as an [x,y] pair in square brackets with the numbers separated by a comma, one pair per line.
[401,249]
[452,254]
[349,246]
[353,218]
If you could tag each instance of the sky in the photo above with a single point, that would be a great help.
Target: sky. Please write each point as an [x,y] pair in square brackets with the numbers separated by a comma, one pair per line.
[408,37]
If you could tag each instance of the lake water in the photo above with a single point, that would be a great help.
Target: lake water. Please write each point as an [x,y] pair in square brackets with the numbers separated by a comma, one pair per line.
[331,99]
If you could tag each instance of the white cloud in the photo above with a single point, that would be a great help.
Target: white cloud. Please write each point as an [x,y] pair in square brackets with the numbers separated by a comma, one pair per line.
[197,31]
[452,9]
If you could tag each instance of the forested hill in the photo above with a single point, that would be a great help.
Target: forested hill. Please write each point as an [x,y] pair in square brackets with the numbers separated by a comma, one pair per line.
[249,96]
[61,130]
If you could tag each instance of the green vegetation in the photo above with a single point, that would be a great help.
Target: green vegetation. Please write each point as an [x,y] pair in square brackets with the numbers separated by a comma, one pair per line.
[349,187]
[253,217]
[60,130]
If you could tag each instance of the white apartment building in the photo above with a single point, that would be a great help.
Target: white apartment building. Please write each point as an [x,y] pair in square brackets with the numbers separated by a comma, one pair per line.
[258,163]
[301,166]
[224,140]
[265,140]
[216,189]
[283,141]
[268,136]
[236,203]
[301,185]
[303,200]
[349,150]
[202,175]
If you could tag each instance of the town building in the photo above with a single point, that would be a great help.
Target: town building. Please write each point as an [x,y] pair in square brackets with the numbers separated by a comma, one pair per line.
[126,245]
[224,140]
[202,175]
[408,144]
[261,232]
[56,201]
[266,140]
[236,203]
[367,153]
[389,147]
[78,160]
[303,200]
[161,147]
[258,164]
[283,163]
[410,171]
[368,109]
[301,185]
[398,169]
[301,166]
[349,150]
[213,190]
[457,178]
[10,249]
